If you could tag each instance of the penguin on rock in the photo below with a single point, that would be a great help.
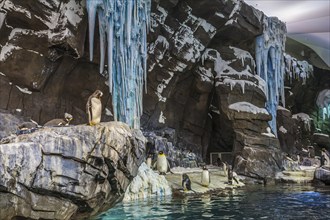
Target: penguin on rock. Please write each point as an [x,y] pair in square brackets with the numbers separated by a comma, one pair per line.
[186,183]
[162,163]
[94,108]
[59,121]
[206,180]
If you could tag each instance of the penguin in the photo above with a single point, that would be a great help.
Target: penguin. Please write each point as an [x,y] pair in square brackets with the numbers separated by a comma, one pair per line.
[27,127]
[206,180]
[59,122]
[149,161]
[230,175]
[162,163]
[225,169]
[94,108]
[186,183]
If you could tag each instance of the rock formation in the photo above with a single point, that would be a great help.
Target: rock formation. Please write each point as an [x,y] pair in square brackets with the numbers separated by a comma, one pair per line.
[201,83]
[70,172]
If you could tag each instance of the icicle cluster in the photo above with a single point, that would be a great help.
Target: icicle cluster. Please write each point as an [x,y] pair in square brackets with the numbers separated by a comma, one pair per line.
[323,102]
[295,69]
[270,65]
[123,26]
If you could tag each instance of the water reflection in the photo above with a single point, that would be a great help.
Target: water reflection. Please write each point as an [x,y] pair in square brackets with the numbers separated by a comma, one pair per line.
[256,202]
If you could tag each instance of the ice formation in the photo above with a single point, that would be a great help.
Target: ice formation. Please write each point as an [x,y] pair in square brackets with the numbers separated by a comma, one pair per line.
[123,29]
[270,48]
[295,69]
[147,184]
[323,102]
[224,72]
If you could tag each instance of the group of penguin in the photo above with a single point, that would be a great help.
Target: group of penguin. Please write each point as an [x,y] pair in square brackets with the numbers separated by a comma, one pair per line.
[162,166]
[93,110]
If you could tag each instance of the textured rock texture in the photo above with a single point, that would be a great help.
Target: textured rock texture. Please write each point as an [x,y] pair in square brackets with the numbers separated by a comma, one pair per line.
[323,174]
[68,172]
[200,60]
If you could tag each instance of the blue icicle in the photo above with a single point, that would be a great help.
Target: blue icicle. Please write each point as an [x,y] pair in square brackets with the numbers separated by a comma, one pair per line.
[123,30]
[270,65]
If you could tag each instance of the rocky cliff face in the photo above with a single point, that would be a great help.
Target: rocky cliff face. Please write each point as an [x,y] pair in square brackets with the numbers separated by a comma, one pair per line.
[68,172]
[201,71]
[201,74]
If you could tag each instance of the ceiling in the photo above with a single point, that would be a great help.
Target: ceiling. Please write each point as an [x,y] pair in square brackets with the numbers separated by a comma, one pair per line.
[307,21]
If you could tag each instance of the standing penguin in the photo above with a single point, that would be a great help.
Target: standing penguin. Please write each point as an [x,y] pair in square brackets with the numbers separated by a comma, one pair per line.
[59,121]
[162,163]
[206,180]
[94,108]
[186,183]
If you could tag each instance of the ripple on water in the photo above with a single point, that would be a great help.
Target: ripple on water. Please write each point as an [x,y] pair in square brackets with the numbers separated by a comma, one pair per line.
[257,202]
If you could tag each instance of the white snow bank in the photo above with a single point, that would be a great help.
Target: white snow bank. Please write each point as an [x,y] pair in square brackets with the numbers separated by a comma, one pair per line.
[147,184]
[247,107]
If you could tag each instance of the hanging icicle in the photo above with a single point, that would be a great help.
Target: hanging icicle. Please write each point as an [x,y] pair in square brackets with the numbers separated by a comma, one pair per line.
[323,102]
[270,47]
[123,26]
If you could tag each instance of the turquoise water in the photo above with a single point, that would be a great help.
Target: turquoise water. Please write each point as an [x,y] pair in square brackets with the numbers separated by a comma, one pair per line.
[256,202]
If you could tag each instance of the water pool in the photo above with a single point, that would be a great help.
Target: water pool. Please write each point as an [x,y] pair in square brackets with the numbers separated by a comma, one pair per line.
[252,202]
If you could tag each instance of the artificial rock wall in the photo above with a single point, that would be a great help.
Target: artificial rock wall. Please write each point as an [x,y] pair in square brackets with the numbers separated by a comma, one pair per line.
[201,73]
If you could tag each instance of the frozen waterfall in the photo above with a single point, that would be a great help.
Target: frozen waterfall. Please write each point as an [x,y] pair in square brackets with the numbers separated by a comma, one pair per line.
[123,26]
[270,65]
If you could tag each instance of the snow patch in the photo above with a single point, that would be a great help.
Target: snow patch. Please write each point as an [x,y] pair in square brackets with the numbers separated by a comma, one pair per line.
[147,184]
[295,69]
[161,118]
[9,6]
[321,134]
[108,112]
[7,50]
[24,90]
[282,108]
[283,130]
[162,86]
[247,107]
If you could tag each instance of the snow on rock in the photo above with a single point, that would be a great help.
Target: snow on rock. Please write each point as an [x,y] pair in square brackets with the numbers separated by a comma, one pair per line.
[283,130]
[282,108]
[161,118]
[158,18]
[295,69]
[247,107]
[269,133]
[321,134]
[147,184]
[24,90]
[242,55]
[305,118]
[2,17]
[162,86]
[7,50]
[224,72]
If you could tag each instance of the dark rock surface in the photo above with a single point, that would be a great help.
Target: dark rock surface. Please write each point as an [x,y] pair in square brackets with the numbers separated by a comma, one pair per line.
[323,174]
[70,172]
[200,62]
